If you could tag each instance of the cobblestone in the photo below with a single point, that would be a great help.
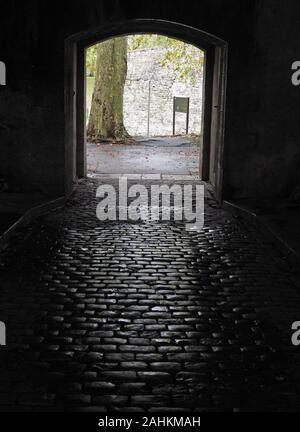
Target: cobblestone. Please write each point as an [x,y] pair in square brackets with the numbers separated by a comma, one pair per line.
[145,316]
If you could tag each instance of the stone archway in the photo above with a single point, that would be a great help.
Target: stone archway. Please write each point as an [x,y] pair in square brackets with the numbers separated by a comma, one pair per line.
[214,92]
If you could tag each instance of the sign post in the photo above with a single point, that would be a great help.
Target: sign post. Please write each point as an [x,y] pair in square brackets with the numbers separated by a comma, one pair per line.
[149,108]
[181,105]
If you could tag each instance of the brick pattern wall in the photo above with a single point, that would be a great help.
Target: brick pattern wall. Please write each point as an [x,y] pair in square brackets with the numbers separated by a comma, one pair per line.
[145,74]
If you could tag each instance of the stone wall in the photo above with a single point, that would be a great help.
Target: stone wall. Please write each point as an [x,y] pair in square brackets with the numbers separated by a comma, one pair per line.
[145,74]
[261,153]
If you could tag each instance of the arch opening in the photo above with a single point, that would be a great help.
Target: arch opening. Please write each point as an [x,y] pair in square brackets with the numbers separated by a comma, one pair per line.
[214,93]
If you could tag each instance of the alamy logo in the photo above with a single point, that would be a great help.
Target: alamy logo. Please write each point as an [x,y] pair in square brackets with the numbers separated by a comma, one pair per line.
[296,333]
[2,74]
[155,202]
[2,334]
[296,74]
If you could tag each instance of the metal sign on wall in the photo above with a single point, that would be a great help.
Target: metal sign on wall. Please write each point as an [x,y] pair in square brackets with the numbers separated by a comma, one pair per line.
[181,105]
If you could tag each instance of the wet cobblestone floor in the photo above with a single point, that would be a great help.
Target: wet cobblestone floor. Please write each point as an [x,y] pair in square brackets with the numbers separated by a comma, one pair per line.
[146,316]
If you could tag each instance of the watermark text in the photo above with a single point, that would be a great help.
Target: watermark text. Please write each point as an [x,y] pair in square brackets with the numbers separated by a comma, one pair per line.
[296,74]
[154,202]
[2,73]
[2,334]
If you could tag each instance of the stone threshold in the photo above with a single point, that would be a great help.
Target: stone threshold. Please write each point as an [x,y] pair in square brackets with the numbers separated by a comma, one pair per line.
[173,177]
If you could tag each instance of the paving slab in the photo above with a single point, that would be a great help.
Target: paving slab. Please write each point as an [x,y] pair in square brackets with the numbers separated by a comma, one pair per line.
[143,159]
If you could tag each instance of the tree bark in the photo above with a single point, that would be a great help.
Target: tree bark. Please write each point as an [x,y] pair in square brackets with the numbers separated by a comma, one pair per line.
[106,116]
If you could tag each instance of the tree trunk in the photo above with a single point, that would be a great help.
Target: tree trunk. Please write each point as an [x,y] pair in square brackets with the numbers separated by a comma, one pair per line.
[106,116]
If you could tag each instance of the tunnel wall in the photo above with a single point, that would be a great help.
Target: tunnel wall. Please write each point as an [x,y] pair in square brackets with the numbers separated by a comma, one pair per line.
[262,126]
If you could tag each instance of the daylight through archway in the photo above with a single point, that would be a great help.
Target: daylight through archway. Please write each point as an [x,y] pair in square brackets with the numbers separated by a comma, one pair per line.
[144,105]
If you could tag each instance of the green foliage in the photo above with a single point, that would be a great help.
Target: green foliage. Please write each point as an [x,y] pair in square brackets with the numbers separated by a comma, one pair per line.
[144,41]
[91,61]
[186,60]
